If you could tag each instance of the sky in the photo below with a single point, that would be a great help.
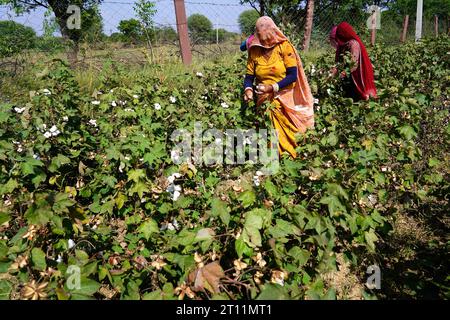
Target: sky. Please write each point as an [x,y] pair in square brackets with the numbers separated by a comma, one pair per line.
[222,13]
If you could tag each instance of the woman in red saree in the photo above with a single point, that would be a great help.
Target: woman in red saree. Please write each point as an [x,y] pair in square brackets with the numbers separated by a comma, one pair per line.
[360,84]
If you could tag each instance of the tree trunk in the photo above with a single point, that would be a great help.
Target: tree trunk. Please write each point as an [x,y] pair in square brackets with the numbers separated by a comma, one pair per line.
[308,25]
[71,36]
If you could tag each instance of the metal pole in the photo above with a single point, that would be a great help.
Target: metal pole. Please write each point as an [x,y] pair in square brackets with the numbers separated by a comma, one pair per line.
[405,29]
[436,26]
[419,20]
[374,28]
[182,28]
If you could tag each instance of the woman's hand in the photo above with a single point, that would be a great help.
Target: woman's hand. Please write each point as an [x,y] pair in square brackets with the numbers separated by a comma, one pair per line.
[264,88]
[248,95]
[333,72]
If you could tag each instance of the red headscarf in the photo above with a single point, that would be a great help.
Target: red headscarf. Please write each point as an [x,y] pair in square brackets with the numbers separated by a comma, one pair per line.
[363,75]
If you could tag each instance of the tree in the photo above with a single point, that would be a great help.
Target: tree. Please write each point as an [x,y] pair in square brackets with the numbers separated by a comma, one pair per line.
[87,9]
[131,30]
[247,21]
[309,24]
[200,27]
[145,10]
[14,38]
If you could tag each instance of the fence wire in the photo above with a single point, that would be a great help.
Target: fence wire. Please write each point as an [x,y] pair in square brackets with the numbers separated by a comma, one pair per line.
[222,34]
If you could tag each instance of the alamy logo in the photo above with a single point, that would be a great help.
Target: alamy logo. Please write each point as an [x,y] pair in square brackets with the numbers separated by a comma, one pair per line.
[74,279]
[262,147]
[374,280]
[74,20]
[374,21]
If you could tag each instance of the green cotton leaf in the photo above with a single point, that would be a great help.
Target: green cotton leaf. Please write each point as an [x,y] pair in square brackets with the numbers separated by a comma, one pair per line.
[9,187]
[136,175]
[247,198]
[271,188]
[156,154]
[335,207]
[5,289]
[29,164]
[337,190]
[57,162]
[87,288]
[242,249]
[219,208]
[254,221]
[140,188]
[4,217]
[38,259]
[39,213]
[62,202]
[300,256]
[371,238]
[408,132]
[154,295]
[283,229]
[332,139]
[147,228]
[273,292]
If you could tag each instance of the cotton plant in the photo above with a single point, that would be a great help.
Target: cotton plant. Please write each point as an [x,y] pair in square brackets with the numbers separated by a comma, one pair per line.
[173,189]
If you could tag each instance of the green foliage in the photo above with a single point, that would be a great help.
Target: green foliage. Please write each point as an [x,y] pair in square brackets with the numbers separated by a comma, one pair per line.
[247,20]
[97,195]
[200,27]
[14,38]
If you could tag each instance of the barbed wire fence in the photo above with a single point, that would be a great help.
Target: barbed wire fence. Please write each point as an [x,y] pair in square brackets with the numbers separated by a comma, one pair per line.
[222,35]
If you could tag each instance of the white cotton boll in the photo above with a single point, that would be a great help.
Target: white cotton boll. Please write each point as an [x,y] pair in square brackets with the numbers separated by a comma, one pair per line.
[199,74]
[175,224]
[47,134]
[46,92]
[316,101]
[177,188]
[35,156]
[224,105]
[59,259]
[329,92]
[65,118]
[175,156]
[128,110]
[19,110]
[56,133]
[70,244]
[157,106]
[44,126]
[176,195]
[95,102]
[114,104]
[93,122]
[19,149]
[53,129]
[135,96]
[171,179]
[173,99]
[170,227]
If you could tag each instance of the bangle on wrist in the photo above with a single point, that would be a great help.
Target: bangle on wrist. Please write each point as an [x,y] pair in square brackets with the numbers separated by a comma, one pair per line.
[275,87]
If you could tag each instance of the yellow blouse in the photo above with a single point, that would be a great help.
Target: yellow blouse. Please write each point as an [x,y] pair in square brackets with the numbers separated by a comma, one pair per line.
[272,70]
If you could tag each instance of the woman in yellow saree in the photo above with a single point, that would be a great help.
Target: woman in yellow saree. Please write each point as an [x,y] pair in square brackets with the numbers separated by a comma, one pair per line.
[280,78]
